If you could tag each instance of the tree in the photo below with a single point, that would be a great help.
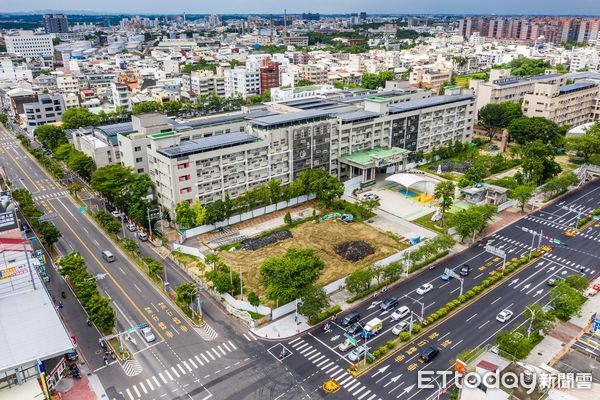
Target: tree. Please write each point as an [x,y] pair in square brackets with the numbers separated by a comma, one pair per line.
[525,130]
[370,204]
[112,180]
[374,81]
[63,151]
[50,136]
[566,300]
[495,117]
[538,162]
[78,117]
[74,188]
[285,278]
[327,188]
[224,279]
[81,164]
[540,320]
[155,269]
[577,282]
[275,190]
[359,280]
[146,107]
[444,194]
[129,245]
[199,212]
[185,215]
[48,232]
[587,145]
[314,301]
[472,220]
[560,184]
[101,313]
[392,271]
[287,218]
[522,193]
[253,299]
[184,294]
[514,343]
[304,82]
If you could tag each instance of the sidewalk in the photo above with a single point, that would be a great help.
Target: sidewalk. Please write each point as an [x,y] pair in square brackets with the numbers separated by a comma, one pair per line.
[284,327]
[86,388]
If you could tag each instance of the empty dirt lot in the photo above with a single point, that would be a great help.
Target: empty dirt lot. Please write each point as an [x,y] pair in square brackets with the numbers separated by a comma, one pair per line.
[323,237]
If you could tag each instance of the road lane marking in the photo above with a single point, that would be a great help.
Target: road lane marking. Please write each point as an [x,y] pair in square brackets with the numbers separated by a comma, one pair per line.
[187,366]
[149,384]
[199,361]
[211,356]
[138,289]
[227,347]
[232,345]
[162,377]
[214,351]
[205,359]
[137,392]
[143,388]
[175,372]
[129,394]
[471,317]
[484,324]
[494,302]
[222,351]
[456,344]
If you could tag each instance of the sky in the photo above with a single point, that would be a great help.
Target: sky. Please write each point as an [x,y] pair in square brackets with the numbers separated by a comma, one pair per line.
[570,7]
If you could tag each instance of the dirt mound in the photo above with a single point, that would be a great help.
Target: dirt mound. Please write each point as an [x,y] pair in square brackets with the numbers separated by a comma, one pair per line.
[355,250]
[257,243]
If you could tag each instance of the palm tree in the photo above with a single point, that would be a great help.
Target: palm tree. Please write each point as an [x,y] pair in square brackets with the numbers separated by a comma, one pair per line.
[444,194]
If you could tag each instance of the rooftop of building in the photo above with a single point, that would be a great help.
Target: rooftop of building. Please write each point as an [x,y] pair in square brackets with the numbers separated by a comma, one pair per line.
[31,328]
[358,115]
[210,143]
[277,120]
[575,87]
[517,80]
[428,102]
[368,157]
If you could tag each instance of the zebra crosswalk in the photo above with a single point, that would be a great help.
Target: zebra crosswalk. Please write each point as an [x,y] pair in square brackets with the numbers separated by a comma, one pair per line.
[330,368]
[207,333]
[132,368]
[142,389]
[250,337]
[54,195]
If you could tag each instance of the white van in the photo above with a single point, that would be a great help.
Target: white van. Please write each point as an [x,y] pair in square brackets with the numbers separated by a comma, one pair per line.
[108,256]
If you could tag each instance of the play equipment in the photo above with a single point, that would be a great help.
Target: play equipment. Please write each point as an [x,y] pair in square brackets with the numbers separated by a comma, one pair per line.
[437,215]
[343,217]
[424,198]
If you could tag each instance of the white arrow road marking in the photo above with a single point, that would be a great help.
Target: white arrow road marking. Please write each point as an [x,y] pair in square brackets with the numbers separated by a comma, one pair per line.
[552,268]
[380,371]
[336,337]
[408,389]
[383,377]
[513,281]
[393,380]
[373,304]
[525,287]
[538,292]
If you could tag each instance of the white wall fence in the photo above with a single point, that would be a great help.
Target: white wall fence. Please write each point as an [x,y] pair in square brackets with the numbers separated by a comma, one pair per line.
[234,219]
[244,305]
[401,255]
[351,184]
[506,205]
[189,250]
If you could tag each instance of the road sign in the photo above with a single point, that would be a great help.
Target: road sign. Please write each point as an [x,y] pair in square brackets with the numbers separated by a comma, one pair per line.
[596,325]
[495,251]
[350,339]
[48,217]
[451,273]
[83,209]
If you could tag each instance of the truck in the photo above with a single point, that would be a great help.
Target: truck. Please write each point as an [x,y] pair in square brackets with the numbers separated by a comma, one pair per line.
[373,327]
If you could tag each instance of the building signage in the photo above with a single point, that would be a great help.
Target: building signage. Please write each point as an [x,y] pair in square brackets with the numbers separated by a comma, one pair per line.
[8,218]
[12,272]
[390,160]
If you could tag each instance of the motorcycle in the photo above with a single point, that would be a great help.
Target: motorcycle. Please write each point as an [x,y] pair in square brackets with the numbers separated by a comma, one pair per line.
[63,294]
[74,371]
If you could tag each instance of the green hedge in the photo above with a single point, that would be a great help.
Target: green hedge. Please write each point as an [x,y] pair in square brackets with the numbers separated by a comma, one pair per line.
[325,314]
[512,266]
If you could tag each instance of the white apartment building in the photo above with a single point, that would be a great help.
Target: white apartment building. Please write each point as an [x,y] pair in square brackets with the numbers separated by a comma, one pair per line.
[242,81]
[27,44]
[120,94]
[429,78]
[98,143]
[47,109]
[574,104]
[10,72]
[71,100]
[204,83]
[501,87]
[67,83]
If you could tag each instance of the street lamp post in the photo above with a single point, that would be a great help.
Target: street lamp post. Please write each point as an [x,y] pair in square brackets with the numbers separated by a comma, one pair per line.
[192,297]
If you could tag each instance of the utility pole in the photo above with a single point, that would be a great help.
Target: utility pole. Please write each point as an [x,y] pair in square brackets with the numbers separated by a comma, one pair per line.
[29,265]
[242,289]
[149,221]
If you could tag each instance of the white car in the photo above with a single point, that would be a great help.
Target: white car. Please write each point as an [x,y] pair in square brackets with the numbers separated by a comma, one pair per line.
[357,354]
[400,313]
[504,315]
[424,288]
[148,335]
[370,196]
[142,236]
[401,327]
[346,345]
[131,228]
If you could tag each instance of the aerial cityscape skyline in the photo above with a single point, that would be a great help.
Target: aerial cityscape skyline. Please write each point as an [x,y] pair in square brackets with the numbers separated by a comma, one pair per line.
[511,7]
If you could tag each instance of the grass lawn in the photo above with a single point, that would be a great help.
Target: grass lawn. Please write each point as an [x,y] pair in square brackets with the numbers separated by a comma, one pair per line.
[426,222]
[322,237]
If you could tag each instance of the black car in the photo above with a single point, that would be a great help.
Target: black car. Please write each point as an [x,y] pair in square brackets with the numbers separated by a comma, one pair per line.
[350,318]
[355,328]
[429,353]
[388,303]
[465,269]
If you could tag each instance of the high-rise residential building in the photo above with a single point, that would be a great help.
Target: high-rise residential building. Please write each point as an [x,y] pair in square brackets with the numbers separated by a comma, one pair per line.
[46,110]
[56,23]
[269,75]
[26,44]
[242,81]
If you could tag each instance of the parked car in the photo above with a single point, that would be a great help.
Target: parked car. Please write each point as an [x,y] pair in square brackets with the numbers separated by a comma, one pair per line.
[388,303]
[465,270]
[131,228]
[400,327]
[142,236]
[355,328]
[400,313]
[357,353]
[429,353]
[370,196]
[504,315]
[346,345]
[72,356]
[424,288]
[350,318]
[117,214]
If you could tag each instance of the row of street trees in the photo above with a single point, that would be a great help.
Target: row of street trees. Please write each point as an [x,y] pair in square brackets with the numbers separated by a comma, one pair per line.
[98,308]
[49,234]
[326,188]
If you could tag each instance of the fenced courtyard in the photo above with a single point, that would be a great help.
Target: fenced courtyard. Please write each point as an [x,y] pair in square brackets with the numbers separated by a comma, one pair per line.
[323,237]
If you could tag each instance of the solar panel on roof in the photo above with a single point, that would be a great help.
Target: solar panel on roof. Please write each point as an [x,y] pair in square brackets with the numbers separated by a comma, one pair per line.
[207,144]
[115,129]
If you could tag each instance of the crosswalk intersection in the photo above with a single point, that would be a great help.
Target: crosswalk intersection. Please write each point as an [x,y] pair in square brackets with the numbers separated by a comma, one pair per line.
[170,374]
[333,370]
